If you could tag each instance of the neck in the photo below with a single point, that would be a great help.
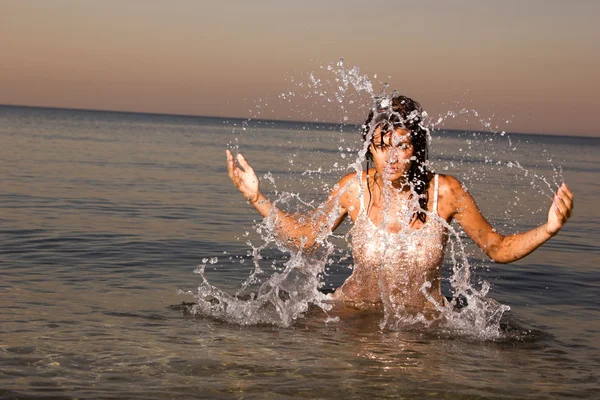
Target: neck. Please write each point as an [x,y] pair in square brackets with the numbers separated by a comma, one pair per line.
[401,184]
[398,186]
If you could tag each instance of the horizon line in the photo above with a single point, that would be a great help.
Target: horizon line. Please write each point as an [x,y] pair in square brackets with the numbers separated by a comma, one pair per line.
[272,120]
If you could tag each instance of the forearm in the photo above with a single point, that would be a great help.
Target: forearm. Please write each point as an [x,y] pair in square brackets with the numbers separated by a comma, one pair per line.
[263,205]
[299,231]
[514,247]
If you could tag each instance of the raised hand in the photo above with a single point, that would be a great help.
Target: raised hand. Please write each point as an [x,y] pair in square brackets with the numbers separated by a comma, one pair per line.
[560,210]
[243,178]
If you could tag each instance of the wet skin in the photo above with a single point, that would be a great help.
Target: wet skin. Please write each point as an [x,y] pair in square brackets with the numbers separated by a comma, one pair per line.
[392,160]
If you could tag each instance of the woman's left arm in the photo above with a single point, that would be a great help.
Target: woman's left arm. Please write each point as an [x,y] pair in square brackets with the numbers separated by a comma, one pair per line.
[506,249]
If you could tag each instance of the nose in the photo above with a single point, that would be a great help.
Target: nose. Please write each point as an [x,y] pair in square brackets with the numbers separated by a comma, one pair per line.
[393,157]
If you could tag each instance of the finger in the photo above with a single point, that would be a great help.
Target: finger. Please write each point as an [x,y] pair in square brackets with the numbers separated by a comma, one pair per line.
[567,200]
[243,162]
[559,194]
[557,215]
[229,155]
[568,210]
[565,189]
[561,207]
[568,203]
[231,167]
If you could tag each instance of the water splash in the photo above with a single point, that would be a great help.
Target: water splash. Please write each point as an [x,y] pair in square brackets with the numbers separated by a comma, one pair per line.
[281,297]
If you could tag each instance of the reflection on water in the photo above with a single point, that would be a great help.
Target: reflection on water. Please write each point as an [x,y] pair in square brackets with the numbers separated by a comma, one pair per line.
[103,216]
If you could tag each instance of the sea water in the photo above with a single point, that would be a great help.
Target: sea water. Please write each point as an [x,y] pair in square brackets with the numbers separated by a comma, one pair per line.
[103,216]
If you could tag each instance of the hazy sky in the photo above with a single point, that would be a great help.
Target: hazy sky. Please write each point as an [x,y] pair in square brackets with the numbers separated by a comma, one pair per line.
[533,62]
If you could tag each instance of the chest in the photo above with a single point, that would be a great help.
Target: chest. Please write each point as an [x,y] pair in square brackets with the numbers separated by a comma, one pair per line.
[392,214]
[372,244]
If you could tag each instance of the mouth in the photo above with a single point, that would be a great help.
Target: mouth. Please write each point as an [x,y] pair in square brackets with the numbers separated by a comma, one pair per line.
[393,170]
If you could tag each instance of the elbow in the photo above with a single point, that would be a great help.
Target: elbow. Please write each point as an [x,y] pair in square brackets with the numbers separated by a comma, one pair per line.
[497,251]
[497,257]
[507,257]
[500,260]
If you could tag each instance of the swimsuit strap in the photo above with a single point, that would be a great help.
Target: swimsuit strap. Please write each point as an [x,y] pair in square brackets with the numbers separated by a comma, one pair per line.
[435,193]
[362,193]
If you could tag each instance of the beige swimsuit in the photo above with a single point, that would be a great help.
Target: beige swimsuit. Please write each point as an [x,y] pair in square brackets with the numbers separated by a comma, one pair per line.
[401,269]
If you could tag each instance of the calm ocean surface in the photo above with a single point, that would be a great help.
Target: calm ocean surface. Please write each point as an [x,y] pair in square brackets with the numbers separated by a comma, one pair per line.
[104,216]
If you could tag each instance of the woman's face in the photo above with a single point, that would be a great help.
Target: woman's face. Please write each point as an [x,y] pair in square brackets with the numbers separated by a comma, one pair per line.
[392,153]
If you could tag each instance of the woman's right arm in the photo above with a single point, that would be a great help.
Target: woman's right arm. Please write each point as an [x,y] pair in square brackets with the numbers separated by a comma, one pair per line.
[300,230]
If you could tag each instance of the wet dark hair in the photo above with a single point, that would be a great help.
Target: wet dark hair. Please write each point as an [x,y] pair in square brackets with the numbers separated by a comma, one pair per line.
[404,112]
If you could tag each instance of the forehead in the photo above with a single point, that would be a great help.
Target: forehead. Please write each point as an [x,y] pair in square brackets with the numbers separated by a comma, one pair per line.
[399,132]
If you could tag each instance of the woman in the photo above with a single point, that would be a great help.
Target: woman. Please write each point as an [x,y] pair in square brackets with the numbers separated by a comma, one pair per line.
[401,213]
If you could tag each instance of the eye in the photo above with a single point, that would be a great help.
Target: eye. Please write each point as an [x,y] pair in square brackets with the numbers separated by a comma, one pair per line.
[384,142]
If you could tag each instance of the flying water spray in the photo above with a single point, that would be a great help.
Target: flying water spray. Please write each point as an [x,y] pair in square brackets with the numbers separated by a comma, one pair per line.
[283,292]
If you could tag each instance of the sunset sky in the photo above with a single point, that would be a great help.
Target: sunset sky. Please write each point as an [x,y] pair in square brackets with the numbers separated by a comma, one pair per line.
[533,62]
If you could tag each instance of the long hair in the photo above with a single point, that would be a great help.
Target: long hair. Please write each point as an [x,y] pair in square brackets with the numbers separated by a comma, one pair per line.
[402,111]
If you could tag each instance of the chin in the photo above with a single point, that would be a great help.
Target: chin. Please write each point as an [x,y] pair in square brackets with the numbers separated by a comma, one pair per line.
[394,176]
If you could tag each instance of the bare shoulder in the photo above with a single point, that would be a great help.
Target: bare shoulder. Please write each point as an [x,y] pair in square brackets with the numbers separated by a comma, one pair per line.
[450,193]
[351,177]
[347,188]
[449,185]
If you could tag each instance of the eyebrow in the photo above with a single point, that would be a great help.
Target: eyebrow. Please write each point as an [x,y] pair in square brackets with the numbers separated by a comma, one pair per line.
[389,133]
